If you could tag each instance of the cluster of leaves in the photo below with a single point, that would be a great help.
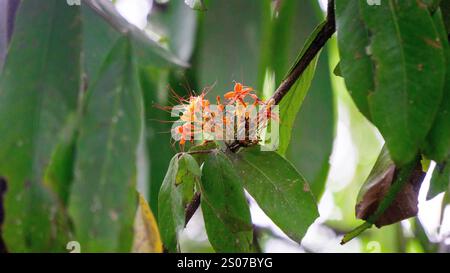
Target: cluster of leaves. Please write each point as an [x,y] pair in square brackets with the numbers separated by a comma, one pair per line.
[76,103]
[219,174]
[72,115]
[221,177]
[395,59]
[77,93]
[387,62]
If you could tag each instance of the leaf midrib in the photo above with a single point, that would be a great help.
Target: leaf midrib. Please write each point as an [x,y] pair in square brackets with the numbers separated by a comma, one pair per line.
[273,184]
[403,59]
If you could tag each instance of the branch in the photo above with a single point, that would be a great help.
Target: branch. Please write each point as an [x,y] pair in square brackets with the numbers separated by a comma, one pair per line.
[313,49]
[328,29]
[317,44]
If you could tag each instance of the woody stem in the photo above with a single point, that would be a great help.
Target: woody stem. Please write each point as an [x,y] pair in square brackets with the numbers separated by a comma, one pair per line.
[318,43]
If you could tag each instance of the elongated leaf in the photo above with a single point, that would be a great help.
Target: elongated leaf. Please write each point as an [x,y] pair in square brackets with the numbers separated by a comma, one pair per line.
[356,66]
[445,7]
[225,208]
[281,41]
[38,91]
[433,5]
[280,191]
[440,181]
[313,131]
[157,139]
[146,233]
[291,103]
[103,26]
[96,50]
[188,176]
[407,53]
[177,24]
[170,208]
[59,173]
[3,32]
[228,50]
[437,146]
[189,169]
[3,189]
[287,25]
[102,202]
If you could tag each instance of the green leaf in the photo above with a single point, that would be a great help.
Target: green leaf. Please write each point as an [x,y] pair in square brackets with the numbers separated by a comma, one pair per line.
[407,53]
[158,147]
[38,92]
[228,50]
[170,208]
[313,130]
[103,200]
[292,102]
[445,7]
[176,23]
[59,173]
[4,39]
[433,5]
[437,146]
[280,36]
[355,65]
[188,175]
[101,19]
[280,191]
[337,70]
[225,208]
[440,181]
[189,169]
[312,135]
[176,192]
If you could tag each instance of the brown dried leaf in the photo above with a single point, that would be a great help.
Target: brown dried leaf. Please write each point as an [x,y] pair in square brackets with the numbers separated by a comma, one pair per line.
[380,180]
[146,233]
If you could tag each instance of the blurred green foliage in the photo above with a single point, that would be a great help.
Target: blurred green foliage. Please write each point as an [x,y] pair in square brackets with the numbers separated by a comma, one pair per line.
[83,120]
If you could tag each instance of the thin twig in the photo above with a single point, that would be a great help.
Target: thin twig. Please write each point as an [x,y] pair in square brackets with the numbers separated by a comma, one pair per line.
[319,42]
[328,29]
[311,52]
[201,152]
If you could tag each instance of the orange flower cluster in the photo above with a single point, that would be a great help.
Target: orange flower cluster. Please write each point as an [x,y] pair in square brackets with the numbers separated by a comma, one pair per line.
[199,116]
